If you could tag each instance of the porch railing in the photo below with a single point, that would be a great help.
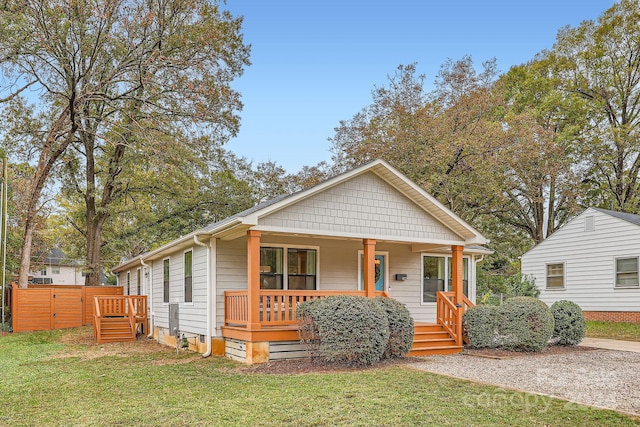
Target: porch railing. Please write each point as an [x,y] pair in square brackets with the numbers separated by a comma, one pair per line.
[449,313]
[277,307]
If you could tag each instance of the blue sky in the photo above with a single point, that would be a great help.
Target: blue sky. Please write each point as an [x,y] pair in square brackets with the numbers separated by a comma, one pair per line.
[315,63]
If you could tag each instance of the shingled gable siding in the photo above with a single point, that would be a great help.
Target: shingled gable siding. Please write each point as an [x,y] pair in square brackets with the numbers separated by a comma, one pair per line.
[364,205]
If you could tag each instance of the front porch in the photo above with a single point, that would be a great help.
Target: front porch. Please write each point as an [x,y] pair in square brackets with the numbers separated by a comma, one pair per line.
[277,317]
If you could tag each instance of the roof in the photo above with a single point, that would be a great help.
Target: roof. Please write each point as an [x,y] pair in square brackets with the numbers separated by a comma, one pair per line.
[239,223]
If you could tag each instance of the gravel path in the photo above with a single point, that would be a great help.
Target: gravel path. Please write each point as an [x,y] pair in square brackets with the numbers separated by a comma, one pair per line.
[602,378]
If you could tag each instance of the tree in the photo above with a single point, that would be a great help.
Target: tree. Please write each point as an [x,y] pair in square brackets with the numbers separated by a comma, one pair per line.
[600,63]
[122,80]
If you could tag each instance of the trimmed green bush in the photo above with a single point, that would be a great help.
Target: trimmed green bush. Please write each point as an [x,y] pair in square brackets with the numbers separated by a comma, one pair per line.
[481,324]
[526,324]
[400,327]
[344,328]
[570,326]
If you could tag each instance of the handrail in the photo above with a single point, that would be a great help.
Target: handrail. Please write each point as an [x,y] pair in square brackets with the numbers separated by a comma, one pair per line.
[277,306]
[450,312]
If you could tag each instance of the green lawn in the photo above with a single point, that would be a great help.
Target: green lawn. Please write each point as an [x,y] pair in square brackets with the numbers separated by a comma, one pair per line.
[614,330]
[63,378]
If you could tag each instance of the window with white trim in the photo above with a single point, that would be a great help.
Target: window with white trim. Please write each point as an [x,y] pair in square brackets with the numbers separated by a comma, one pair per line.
[128,283]
[188,276]
[301,271]
[165,280]
[555,276]
[139,281]
[626,272]
[436,276]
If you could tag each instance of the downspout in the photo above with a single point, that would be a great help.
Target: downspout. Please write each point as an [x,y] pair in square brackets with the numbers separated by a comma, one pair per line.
[199,243]
[150,291]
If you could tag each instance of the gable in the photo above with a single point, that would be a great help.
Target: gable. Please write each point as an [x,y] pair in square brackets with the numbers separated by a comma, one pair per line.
[593,231]
[364,205]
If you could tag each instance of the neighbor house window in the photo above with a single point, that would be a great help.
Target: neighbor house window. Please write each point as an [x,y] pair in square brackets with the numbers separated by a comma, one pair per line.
[301,271]
[128,283]
[43,271]
[188,276]
[436,276]
[139,279]
[626,272]
[165,280]
[555,276]
[55,270]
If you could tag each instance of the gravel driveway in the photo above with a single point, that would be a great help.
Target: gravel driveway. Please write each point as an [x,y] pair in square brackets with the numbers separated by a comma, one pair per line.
[602,378]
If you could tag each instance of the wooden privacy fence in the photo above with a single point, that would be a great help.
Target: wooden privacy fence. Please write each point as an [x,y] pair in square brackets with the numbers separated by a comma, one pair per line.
[46,307]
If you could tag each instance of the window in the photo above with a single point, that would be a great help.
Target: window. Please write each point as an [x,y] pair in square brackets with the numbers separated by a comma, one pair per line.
[165,280]
[301,272]
[555,276]
[139,282]
[433,274]
[55,269]
[188,276]
[434,271]
[43,271]
[301,268]
[626,272]
[128,283]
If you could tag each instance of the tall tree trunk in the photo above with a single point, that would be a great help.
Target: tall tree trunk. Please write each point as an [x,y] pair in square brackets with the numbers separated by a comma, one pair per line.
[48,157]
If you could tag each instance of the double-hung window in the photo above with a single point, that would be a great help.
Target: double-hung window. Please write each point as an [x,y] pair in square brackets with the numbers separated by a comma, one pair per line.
[188,276]
[626,272]
[165,280]
[300,272]
[139,283]
[128,283]
[555,276]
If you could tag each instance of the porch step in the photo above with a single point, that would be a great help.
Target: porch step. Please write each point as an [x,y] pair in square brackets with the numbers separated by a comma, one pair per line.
[116,329]
[432,339]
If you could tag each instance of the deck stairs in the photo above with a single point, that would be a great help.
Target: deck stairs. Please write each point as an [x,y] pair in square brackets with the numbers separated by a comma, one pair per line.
[431,339]
[116,329]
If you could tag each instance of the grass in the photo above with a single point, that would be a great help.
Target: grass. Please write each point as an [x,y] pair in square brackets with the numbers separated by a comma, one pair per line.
[613,330]
[62,378]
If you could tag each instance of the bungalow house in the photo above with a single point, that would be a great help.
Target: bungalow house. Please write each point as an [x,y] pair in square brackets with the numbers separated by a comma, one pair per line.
[593,261]
[232,288]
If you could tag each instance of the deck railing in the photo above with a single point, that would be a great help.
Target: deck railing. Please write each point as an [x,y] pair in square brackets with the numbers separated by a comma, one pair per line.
[133,307]
[449,313]
[277,307]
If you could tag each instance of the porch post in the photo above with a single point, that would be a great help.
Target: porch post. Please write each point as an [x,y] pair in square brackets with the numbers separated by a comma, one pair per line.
[253,279]
[457,276]
[368,267]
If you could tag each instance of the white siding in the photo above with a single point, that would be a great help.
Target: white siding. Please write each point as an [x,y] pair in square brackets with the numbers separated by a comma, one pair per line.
[366,206]
[589,260]
[192,315]
[231,273]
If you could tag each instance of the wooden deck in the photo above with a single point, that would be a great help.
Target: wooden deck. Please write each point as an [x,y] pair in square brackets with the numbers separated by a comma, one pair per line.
[119,318]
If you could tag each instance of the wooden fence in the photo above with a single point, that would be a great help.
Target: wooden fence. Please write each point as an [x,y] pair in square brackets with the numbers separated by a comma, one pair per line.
[45,307]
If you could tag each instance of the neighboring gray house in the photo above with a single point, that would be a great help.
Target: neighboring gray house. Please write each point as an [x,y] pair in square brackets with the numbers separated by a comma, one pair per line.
[232,287]
[593,261]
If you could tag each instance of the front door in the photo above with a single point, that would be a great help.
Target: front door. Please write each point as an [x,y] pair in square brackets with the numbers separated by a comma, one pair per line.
[380,271]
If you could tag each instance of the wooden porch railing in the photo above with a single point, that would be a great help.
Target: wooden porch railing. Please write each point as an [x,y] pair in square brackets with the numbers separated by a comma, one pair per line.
[133,307]
[277,307]
[449,313]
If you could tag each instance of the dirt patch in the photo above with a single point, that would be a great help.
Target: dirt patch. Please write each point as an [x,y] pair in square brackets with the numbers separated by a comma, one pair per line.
[498,353]
[306,366]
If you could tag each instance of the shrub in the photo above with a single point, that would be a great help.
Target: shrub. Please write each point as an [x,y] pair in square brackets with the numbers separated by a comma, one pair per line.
[570,326]
[344,328]
[481,324]
[400,327]
[526,324]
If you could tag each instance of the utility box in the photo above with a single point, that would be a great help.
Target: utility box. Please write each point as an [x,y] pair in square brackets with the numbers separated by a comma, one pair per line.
[174,319]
